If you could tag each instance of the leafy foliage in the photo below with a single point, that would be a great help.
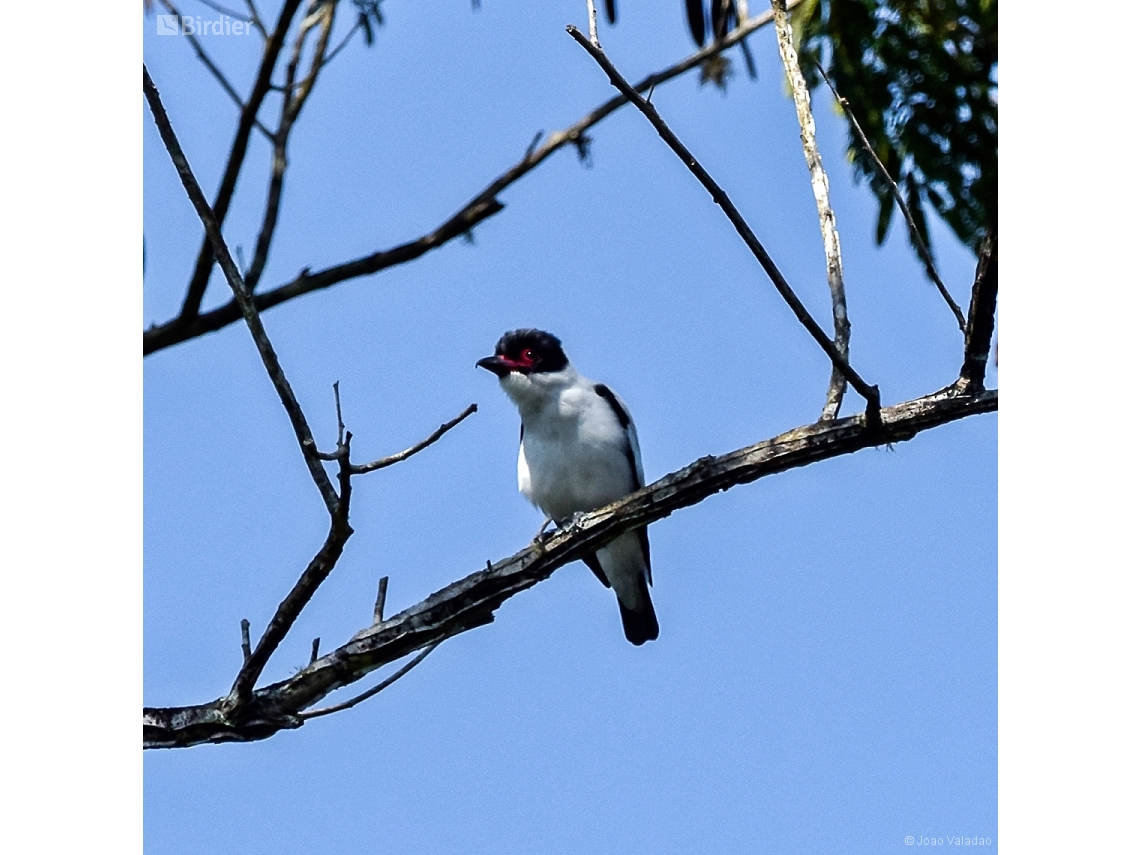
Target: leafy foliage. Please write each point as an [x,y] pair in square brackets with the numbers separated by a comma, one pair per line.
[921,79]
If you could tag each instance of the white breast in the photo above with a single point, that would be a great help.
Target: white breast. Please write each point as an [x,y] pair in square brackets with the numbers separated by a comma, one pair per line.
[573,454]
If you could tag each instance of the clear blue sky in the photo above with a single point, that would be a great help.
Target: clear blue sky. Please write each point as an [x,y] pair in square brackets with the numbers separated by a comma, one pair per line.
[826,676]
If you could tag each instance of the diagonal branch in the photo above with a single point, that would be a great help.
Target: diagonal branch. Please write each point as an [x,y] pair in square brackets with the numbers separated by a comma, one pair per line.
[915,234]
[375,690]
[472,601]
[291,607]
[784,36]
[483,206]
[201,276]
[870,393]
[249,311]
[393,459]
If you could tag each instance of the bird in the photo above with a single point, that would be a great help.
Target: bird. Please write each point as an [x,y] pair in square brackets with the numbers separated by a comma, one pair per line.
[578,451]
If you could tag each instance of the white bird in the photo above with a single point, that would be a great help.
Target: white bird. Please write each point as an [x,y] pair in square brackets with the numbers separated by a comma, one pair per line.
[578,451]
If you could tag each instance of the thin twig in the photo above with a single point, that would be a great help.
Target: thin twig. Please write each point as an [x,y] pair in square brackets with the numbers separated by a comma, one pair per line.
[249,311]
[315,650]
[381,597]
[214,70]
[375,690]
[915,234]
[533,145]
[255,18]
[245,648]
[196,290]
[483,206]
[830,232]
[339,417]
[870,393]
[341,46]
[290,109]
[593,24]
[418,447]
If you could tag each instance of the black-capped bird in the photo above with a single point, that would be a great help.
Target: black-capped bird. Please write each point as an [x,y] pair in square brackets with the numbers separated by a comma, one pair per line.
[578,451]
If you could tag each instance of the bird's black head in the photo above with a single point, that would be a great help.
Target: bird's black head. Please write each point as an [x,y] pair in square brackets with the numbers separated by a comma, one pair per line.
[527,352]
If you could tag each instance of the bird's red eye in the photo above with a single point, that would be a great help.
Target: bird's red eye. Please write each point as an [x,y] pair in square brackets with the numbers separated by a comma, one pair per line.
[528,357]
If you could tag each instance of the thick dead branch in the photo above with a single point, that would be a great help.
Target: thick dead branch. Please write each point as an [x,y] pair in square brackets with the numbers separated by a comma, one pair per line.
[472,601]
[870,393]
[201,276]
[483,206]
[983,307]
[784,37]
[249,311]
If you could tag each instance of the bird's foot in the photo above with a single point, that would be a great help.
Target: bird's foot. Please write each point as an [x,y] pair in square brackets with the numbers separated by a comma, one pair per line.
[575,522]
[541,536]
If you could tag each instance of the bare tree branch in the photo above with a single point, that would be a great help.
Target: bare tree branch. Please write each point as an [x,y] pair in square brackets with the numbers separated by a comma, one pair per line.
[915,234]
[381,598]
[384,462]
[593,15]
[375,690]
[339,530]
[870,393]
[983,306]
[214,70]
[249,311]
[472,601]
[255,19]
[201,276]
[291,106]
[827,227]
[291,607]
[483,206]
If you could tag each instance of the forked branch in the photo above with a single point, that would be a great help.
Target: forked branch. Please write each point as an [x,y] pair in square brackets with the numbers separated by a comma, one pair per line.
[196,290]
[326,558]
[870,393]
[237,285]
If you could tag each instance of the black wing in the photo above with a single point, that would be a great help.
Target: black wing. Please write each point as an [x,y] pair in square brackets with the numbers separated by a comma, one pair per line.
[624,420]
[592,562]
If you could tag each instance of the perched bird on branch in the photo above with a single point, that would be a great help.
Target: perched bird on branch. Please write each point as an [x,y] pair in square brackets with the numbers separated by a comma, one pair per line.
[578,451]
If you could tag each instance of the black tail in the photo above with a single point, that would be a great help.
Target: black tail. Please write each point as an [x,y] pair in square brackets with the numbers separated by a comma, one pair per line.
[641,625]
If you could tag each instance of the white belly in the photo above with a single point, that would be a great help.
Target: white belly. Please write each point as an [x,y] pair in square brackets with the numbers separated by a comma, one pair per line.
[564,480]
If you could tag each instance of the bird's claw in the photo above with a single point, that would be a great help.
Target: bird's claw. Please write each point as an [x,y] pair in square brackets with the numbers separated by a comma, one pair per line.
[541,536]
